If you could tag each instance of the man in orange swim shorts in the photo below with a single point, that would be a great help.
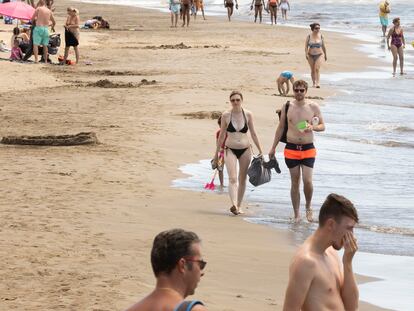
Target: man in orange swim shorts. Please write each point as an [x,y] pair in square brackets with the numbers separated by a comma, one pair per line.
[298,120]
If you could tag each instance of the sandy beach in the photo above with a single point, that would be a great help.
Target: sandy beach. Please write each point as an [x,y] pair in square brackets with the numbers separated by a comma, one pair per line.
[77,223]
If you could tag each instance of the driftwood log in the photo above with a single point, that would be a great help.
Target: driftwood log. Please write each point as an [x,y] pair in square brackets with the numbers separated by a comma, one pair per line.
[84,138]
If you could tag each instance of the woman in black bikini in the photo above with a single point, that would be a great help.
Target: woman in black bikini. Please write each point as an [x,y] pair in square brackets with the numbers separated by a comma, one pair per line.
[314,49]
[236,123]
[258,9]
[397,45]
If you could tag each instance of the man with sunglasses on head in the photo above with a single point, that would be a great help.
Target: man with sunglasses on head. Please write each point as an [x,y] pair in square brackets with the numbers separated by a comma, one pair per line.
[317,278]
[298,120]
[178,267]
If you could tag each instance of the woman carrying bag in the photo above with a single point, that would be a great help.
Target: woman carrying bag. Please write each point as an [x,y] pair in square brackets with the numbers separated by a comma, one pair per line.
[236,123]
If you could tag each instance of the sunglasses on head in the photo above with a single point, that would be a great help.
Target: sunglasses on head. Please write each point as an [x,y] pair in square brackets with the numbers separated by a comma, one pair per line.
[201,263]
[235,100]
[299,90]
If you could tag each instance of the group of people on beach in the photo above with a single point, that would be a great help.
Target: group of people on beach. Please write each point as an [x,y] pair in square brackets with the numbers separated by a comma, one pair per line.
[318,278]
[395,37]
[182,8]
[25,43]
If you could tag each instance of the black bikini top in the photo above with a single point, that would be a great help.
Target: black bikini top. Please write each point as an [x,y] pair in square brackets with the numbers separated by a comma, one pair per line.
[231,129]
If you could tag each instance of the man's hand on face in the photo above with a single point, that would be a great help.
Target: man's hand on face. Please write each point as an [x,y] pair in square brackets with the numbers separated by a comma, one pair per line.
[351,247]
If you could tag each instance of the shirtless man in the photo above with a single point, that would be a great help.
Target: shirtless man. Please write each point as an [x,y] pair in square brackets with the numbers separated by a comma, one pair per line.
[303,118]
[317,279]
[42,18]
[178,266]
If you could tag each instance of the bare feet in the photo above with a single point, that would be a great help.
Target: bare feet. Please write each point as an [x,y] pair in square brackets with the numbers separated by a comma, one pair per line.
[309,214]
[234,210]
[240,211]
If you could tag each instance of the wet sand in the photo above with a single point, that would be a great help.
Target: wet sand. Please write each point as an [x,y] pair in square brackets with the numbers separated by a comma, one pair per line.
[77,223]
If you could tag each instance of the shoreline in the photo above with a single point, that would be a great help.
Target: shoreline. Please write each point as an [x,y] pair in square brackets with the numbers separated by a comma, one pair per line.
[84,251]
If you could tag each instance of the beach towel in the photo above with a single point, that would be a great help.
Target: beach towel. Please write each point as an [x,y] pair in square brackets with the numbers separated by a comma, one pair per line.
[258,174]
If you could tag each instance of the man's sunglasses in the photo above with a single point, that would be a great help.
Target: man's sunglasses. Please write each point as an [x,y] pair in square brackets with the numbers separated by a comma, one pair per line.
[235,100]
[201,263]
[299,90]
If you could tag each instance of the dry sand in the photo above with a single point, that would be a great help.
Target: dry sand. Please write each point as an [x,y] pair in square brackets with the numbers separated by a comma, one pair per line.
[77,223]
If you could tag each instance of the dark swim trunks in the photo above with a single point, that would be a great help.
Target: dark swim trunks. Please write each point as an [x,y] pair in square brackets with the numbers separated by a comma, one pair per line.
[300,155]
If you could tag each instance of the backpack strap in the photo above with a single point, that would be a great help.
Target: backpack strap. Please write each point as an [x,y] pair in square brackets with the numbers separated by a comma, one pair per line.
[188,305]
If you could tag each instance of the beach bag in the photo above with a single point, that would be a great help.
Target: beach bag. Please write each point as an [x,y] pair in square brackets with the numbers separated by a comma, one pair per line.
[54,40]
[187,305]
[258,174]
[283,139]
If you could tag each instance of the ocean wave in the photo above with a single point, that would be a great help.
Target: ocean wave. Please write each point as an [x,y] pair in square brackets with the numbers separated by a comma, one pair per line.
[387,230]
[384,127]
[368,227]
[385,143]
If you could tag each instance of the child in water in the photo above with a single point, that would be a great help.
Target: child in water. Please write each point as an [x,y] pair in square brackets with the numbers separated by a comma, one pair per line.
[283,80]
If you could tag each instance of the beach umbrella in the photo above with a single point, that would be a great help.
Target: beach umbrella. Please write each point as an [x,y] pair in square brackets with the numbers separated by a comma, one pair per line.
[18,10]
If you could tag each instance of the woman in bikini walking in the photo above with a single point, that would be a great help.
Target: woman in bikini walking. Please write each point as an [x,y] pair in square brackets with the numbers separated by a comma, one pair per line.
[272,4]
[314,49]
[229,5]
[397,45]
[236,123]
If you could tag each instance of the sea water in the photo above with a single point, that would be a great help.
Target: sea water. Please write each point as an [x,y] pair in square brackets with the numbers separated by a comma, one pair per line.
[366,152]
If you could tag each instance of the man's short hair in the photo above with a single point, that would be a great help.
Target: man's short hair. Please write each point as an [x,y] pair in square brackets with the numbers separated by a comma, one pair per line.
[169,247]
[337,206]
[301,83]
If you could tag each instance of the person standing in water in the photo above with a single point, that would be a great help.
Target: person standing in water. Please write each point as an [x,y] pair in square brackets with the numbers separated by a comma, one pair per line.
[230,5]
[384,10]
[273,10]
[314,50]
[397,45]
[302,118]
[236,123]
[185,7]
[258,9]
[284,7]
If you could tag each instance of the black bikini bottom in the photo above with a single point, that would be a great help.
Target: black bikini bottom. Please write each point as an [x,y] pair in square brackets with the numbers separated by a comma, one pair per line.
[238,152]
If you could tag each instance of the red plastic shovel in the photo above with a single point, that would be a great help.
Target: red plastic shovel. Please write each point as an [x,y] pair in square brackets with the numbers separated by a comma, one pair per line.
[210,185]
